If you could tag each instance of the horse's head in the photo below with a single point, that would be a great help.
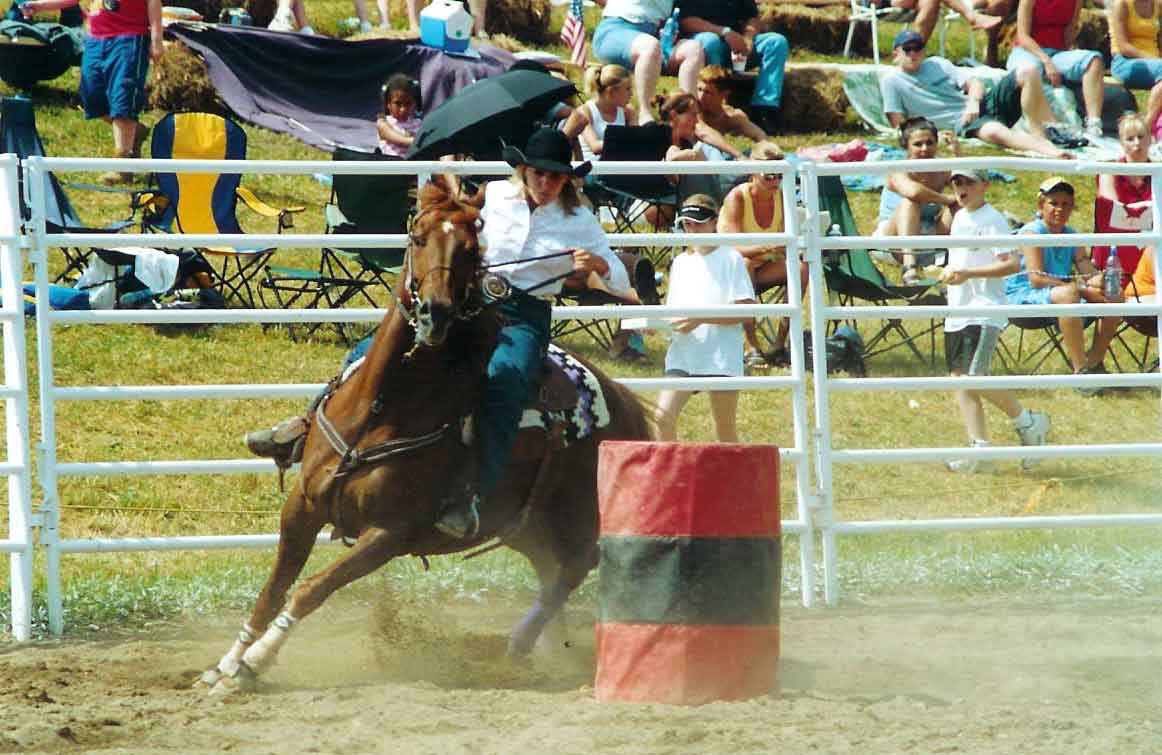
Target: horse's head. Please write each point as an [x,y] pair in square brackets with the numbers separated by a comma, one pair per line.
[442,265]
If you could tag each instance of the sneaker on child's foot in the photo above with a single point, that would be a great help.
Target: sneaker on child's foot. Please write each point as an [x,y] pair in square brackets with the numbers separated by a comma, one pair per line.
[971,465]
[284,19]
[1035,434]
[1093,128]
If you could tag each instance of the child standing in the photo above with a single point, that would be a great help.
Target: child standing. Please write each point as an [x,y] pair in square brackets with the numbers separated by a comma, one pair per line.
[974,277]
[123,38]
[610,88]
[400,122]
[705,347]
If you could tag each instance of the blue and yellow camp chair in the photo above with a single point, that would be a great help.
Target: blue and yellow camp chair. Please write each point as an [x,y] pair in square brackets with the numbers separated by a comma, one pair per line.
[207,202]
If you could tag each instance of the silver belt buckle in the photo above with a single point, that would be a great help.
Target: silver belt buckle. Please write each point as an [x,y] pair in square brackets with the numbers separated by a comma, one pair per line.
[495,287]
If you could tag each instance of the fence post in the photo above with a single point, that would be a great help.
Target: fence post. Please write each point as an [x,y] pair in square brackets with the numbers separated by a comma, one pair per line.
[803,493]
[824,513]
[35,183]
[16,405]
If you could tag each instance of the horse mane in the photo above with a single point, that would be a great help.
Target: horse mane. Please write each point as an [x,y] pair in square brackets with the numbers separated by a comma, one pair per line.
[443,205]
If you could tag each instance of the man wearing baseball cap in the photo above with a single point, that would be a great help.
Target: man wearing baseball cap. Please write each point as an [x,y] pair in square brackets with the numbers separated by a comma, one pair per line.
[933,88]
[975,278]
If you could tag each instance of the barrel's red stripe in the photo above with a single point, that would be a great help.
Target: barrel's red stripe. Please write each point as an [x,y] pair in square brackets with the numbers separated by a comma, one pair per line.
[688,489]
[684,665]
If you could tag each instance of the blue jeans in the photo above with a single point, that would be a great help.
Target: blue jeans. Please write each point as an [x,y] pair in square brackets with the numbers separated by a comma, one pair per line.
[1137,73]
[769,55]
[514,373]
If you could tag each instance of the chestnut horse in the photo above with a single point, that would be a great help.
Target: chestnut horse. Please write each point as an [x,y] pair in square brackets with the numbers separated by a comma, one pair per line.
[384,444]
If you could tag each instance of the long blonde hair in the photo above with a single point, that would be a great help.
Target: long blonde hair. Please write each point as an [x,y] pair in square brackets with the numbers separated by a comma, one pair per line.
[570,197]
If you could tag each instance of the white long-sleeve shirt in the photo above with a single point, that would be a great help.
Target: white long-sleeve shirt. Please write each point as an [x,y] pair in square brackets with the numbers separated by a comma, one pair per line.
[512,233]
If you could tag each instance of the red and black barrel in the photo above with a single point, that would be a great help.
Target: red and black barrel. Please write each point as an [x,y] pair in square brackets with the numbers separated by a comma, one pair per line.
[690,571]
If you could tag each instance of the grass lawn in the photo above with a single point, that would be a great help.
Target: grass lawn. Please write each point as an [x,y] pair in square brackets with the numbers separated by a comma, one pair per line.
[123,589]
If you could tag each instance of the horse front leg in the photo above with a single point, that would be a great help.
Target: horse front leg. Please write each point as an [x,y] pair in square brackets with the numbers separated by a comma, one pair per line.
[298,530]
[374,548]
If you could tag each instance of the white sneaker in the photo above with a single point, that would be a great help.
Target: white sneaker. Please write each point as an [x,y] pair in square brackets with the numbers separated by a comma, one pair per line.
[284,19]
[1093,128]
[973,465]
[1036,434]
[970,466]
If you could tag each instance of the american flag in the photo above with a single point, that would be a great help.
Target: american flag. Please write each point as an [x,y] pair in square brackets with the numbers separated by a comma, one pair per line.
[573,33]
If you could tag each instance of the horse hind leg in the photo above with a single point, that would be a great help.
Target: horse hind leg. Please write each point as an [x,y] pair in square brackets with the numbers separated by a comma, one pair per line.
[558,581]
[296,541]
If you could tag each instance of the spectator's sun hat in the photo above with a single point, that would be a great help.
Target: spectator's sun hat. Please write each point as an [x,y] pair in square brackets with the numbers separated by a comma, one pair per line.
[908,37]
[1054,183]
[699,208]
[548,149]
[972,174]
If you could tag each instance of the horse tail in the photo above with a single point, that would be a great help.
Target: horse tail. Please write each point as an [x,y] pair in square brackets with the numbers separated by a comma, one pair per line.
[634,417]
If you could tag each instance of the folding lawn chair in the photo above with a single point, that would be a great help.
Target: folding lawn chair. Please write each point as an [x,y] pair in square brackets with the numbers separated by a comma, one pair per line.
[19,136]
[207,202]
[629,198]
[852,276]
[593,294]
[368,204]
[1030,356]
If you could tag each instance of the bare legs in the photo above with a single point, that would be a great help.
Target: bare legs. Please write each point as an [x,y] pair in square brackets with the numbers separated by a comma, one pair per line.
[1154,106]
[686,61]
[928,13]
[1037,114]
[971,404]
[723,406]
[767,275]
[1072,331]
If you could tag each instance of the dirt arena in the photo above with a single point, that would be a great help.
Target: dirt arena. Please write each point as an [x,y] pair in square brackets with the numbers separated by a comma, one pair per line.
[1066,674]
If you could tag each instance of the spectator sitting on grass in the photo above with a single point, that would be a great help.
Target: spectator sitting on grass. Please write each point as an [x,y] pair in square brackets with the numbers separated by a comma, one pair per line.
[974,277]
[935,89]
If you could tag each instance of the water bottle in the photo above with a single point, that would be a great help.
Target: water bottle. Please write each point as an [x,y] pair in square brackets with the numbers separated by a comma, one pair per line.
[669,36]
[1112,277]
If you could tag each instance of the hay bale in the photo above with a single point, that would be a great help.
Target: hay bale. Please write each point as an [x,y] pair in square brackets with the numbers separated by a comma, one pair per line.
[180,83]
[813,98]
[813,28]
[527,20]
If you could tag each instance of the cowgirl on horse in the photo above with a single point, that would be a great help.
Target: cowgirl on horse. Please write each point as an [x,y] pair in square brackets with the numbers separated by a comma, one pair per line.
[536,234]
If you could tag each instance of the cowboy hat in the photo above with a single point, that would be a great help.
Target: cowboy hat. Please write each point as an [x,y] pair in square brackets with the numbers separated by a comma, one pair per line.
[548,149]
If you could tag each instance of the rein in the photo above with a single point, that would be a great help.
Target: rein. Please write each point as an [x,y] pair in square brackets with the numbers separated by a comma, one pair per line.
[351,458]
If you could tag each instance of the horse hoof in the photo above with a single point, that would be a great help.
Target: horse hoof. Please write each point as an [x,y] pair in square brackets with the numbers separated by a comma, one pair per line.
[208,679]
[244,682]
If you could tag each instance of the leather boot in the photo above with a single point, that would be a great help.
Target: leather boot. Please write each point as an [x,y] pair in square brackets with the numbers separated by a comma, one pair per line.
[281,442]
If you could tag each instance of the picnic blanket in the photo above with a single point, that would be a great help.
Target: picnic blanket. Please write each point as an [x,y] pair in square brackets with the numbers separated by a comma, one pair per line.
[861,84]
[322,91]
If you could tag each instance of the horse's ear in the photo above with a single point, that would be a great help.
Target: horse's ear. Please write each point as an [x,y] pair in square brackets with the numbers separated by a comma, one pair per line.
[477,199]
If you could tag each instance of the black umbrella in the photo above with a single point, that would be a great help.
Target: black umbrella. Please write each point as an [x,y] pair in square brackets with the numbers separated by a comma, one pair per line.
[477,119]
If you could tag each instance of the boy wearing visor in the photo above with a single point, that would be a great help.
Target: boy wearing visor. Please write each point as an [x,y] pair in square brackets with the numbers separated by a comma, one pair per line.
[705,275]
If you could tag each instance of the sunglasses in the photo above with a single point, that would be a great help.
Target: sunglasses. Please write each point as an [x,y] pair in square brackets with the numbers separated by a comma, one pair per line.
[911,49]
[772,176]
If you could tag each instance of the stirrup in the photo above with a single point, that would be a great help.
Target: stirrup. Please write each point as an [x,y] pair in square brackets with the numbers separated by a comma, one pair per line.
[460,520]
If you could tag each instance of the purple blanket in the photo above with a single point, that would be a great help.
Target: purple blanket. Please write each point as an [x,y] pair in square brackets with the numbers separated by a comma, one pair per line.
[323,91]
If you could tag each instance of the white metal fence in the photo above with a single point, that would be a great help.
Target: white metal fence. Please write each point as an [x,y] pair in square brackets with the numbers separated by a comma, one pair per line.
[812,440]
